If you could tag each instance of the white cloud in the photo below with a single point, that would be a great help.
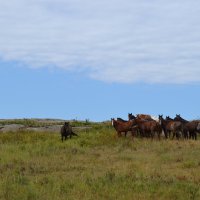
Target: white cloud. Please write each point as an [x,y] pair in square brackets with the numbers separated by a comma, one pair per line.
[116,41]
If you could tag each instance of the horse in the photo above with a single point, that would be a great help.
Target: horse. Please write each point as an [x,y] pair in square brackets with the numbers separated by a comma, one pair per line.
[179,118]
[144,117]
[131,116]
[169,126]
[140,116]
[148,128]
[66,130]
[169,118]
[184,122]
[192,127]
[189,127]
[123,126]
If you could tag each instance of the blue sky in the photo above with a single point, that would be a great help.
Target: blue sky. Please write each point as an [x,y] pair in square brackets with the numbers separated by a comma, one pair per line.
[98,59]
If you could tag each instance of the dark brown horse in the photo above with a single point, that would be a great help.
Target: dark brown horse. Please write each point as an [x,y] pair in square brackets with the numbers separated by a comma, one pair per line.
[121,127]
[184,122]
[66,130]
[190,128]
[131,116]
[148,128]
[179,118]
[170,126]
[169,118]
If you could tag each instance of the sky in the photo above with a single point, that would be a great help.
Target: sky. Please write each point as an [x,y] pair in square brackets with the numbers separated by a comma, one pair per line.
[90,59]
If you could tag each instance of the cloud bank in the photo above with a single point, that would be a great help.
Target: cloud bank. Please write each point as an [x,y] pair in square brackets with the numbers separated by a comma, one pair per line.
[123,41]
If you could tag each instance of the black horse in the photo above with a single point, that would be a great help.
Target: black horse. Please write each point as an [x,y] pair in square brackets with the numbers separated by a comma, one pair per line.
[66,130]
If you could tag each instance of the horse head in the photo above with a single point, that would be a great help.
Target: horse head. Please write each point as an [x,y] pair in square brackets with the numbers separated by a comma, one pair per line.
[180,119]
[160,118]
[112,121]
[131,116]
[169,118]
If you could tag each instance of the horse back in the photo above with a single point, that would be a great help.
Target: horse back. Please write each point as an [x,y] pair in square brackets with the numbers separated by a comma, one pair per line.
[144,117]
[123,126]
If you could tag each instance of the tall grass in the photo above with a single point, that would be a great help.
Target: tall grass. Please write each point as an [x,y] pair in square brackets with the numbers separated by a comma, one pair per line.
[97,165]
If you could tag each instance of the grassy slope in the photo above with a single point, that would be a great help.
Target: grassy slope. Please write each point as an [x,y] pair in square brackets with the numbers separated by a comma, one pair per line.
[97,165]
[43,122]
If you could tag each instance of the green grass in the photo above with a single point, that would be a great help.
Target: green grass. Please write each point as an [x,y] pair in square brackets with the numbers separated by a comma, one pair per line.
[97,165]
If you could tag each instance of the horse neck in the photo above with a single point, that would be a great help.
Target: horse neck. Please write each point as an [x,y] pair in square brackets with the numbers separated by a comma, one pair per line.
[182,120]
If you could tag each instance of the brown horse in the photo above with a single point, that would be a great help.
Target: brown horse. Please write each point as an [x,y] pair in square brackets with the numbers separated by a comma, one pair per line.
[123,126]
[190,128]
[170,126]
[144,117]
[139,116]
[148,128]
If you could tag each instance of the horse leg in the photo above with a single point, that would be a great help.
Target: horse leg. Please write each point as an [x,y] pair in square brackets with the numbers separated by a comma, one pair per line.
[119,134]
[125,133]
[174,133]
[177,135]
[169,134]
[165,133]
[152,135]
[158,133]
[185,135]
[190,134]
[195,135]
[133,134]
[62,137]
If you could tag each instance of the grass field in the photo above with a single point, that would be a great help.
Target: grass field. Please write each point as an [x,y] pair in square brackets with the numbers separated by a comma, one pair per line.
[97,165]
